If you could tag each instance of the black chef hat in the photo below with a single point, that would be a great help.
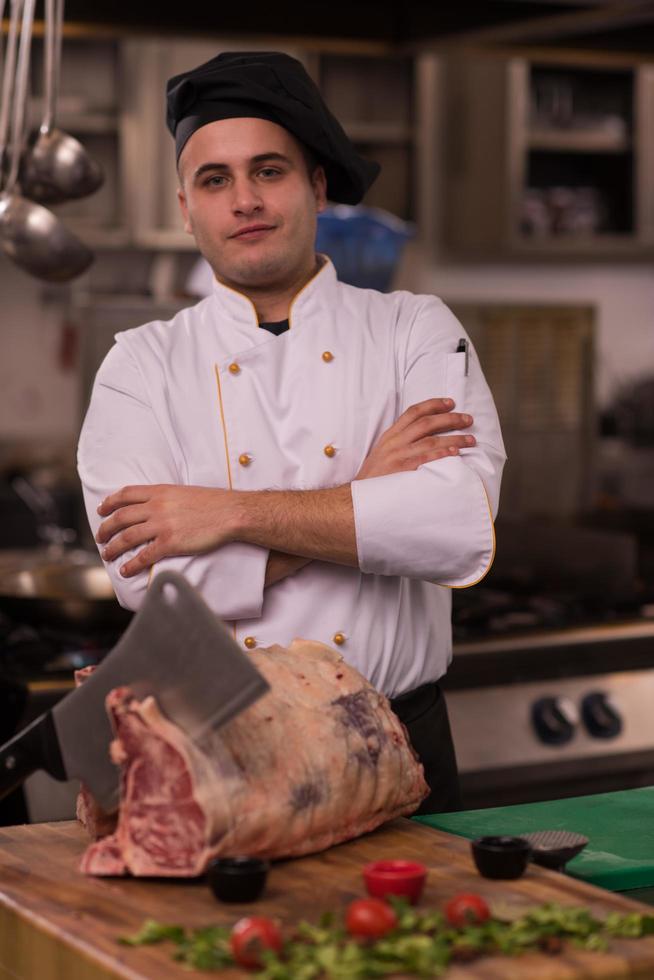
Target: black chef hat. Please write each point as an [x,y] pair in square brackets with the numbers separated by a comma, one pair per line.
[273,86]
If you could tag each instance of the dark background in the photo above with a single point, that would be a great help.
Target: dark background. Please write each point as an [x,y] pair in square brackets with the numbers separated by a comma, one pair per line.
[613,25]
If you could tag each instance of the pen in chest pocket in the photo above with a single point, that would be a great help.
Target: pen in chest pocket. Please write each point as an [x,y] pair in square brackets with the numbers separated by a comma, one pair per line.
[463,347]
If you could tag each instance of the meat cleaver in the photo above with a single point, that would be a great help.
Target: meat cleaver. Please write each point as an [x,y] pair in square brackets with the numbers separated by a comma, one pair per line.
[176,649]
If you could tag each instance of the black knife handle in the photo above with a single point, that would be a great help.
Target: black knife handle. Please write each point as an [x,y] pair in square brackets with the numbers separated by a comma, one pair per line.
[36,747]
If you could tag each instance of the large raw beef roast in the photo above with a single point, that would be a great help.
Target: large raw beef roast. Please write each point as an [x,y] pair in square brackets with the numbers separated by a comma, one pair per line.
[318,759]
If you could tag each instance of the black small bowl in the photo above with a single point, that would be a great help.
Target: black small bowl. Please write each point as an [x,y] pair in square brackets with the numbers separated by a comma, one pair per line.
[237,879]
[501,857]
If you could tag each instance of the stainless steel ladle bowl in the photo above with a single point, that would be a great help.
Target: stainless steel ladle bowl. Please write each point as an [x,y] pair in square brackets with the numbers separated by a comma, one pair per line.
[30,235]
[70,590]
[55,166]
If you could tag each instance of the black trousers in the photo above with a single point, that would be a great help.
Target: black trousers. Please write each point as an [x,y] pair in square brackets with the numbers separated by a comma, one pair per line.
[424,713]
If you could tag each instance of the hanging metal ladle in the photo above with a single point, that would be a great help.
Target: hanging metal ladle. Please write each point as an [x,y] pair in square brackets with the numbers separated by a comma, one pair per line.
[8,61]
[55,166]
[30,235]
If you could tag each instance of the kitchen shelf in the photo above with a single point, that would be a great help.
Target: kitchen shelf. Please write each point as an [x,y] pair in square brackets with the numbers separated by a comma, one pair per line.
[547,160]
[578,141]
[373,98]
[86,121]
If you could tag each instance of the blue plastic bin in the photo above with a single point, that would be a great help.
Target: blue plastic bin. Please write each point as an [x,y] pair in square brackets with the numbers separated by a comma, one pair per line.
[365,244]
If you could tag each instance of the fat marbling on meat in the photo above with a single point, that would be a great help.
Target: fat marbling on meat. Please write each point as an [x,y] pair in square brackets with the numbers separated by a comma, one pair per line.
[319,759]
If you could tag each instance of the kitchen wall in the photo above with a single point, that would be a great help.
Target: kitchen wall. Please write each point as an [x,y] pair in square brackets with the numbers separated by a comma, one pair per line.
[38,381]
[40,345]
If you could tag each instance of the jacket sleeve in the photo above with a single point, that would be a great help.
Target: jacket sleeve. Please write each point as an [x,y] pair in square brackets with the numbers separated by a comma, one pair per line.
[436,522]
[122,444]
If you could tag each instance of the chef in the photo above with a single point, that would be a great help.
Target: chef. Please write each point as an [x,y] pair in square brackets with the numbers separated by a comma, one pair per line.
[320,461]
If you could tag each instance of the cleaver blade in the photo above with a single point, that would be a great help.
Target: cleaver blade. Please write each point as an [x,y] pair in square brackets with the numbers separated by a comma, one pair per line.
[175,649]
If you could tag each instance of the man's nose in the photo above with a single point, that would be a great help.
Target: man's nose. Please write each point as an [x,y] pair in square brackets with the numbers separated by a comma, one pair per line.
[246,197]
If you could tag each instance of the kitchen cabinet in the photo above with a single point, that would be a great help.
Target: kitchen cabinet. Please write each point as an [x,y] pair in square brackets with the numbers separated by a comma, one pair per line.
[512,158]
[548,159]
[372,97]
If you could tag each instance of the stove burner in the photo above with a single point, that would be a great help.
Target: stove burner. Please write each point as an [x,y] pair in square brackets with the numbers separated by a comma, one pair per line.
[484,613]
[29,653]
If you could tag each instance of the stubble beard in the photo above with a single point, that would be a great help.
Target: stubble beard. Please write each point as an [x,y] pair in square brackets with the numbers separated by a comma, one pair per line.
[264,271]
[276,268]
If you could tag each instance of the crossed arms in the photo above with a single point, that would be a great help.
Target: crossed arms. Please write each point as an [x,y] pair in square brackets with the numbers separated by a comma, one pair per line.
[296,526]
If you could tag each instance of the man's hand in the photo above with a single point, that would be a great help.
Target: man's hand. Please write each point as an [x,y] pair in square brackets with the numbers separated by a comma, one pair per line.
[417,437]
[167,519]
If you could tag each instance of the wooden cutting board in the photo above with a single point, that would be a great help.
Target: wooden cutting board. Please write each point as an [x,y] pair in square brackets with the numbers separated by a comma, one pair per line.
[56,924]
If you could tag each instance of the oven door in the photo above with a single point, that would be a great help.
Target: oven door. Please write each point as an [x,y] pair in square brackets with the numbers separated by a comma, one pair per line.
[555,718]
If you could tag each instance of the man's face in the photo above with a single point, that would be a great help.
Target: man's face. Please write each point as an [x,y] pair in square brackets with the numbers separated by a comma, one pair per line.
[240,174]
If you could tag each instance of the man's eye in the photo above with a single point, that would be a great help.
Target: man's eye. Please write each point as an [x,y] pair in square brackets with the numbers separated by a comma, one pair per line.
[216,180]
[269,171]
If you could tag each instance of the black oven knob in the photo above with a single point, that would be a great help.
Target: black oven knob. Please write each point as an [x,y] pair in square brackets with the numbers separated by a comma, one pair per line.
[600,715]
[555,719]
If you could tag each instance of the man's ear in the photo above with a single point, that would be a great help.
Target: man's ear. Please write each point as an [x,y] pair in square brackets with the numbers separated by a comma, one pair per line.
[319,183]
[181,197]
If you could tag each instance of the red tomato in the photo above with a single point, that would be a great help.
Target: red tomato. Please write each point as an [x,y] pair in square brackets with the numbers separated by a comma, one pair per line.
[466,910]
[369,918]
[249,938]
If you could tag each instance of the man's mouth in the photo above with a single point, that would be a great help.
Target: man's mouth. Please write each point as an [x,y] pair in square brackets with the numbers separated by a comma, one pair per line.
[252,232]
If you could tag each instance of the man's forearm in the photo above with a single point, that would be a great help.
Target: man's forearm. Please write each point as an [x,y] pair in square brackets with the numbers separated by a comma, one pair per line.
[312,523]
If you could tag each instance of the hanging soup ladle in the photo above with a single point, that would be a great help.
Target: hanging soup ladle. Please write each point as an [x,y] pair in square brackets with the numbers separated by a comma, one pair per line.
[8,74]
[55,165]
[31,235]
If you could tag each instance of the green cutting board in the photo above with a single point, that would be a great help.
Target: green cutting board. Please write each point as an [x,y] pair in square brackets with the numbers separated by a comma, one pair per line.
[619,827]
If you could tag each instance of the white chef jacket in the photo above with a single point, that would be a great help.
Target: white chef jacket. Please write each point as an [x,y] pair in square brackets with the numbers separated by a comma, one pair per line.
[211,399]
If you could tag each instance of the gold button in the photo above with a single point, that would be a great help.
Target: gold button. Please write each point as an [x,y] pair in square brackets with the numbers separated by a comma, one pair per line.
[339,639]
[234,368]
[328,356]
[244,459]
[329,450]
[250,642]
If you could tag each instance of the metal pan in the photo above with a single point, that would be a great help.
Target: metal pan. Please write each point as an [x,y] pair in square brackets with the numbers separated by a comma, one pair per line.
[70,591]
